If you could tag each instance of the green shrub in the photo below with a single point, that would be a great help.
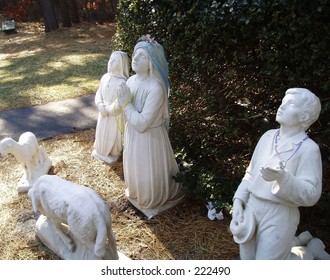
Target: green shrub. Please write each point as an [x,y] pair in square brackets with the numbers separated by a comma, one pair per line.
[230,64]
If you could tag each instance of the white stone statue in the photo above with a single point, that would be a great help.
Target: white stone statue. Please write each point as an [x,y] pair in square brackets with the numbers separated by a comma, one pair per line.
[285,172]
[30,155]
[75,223]
[307,247]
[110,123]
[148,160]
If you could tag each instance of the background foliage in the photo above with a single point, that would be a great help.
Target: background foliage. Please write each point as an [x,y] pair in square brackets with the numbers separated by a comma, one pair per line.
[32,10]
[230,64]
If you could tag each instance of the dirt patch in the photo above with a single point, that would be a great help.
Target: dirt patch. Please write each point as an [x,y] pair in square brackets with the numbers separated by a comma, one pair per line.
[183,232]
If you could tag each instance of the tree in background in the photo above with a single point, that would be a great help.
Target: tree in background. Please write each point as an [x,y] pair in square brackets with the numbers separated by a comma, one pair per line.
[21,10]
[50,19]
[101,12]
[67,11]
[113,9]
[64,8]
[74,11]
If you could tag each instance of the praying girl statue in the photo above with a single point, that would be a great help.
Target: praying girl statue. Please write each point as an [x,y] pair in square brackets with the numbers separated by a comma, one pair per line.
[110,123]
[285,173]
[148,160]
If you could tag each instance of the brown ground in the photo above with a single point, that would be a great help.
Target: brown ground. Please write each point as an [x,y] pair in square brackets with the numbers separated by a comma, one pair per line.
[183,232]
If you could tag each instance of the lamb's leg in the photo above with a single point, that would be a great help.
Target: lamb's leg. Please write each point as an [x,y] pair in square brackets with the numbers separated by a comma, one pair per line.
[68,241]
[25,175]
[101,238]
[112,242]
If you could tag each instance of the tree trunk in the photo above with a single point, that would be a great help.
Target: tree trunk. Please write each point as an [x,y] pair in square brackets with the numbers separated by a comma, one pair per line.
[101,12]
[74,11]
[66,19]
[50,19]
[113,9]
[87,11]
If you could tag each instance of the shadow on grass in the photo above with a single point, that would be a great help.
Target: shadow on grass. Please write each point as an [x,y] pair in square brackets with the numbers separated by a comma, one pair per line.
[70,60]
[28,78]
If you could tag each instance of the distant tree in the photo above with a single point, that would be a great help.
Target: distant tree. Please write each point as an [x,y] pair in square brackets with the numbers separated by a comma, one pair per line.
[35,11]
[68,11]
[50,19]
[101,13]
[66,19]
[74,11]
[86,8]
[113,9]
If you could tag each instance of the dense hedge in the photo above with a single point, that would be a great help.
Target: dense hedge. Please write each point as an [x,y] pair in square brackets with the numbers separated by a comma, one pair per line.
[230,64]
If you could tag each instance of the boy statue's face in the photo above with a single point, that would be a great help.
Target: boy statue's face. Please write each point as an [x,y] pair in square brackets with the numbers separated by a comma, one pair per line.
[290,111]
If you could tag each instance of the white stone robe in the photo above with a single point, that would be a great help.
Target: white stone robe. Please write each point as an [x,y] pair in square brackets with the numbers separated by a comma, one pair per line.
[108,138]
[148,159]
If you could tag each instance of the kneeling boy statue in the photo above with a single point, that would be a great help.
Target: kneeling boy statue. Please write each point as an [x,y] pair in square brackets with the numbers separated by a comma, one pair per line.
[285,172]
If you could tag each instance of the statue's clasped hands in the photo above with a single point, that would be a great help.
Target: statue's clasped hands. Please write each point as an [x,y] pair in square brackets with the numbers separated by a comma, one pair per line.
[123,94]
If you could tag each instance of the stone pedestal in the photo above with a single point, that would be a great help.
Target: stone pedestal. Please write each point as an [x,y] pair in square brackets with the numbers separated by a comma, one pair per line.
[46,233]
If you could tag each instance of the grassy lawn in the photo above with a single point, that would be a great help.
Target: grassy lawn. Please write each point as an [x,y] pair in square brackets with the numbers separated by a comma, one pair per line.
[37,68]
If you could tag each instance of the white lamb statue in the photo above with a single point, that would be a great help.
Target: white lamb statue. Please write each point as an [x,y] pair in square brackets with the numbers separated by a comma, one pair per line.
[76,223]
[30,155]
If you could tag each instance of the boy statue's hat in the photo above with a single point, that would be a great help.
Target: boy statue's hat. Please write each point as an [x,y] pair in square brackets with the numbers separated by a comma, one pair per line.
[243,231]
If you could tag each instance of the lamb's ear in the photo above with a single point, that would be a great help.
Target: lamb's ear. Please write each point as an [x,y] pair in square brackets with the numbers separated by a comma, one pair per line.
[32,193]
[4,145]
[7,142]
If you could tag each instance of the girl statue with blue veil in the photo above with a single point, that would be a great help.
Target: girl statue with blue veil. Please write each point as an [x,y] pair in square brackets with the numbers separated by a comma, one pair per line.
[148,160]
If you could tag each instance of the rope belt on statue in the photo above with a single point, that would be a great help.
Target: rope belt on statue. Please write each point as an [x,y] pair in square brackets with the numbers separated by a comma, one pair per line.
[121,126]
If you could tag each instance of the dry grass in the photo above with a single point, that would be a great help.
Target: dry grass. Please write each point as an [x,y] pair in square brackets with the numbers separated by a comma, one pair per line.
[183,232]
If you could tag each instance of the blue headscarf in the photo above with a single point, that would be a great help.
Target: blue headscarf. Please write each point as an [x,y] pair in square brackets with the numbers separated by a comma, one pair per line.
[157,56]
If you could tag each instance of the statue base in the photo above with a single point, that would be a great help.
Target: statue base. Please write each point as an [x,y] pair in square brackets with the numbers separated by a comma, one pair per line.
[151,213]
[107,159]
[45,232]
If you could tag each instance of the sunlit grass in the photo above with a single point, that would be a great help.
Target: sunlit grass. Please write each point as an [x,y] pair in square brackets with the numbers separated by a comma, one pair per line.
[44,78]
[37,69]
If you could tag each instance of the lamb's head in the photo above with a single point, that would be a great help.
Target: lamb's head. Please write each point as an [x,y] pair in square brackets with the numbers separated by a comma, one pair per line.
[33,194]
[5,146]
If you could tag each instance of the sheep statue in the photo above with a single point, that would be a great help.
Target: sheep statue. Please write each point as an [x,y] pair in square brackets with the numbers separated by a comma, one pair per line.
[30,155]
[75,223]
